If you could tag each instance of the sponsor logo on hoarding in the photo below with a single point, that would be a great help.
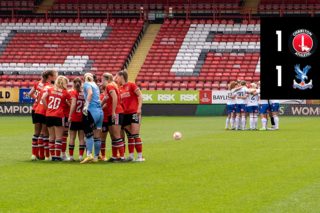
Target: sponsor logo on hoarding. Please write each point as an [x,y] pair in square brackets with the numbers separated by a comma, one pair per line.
[15,109]
[9,95]
[24,97]
[147,97]
[188,97]
[205,97]
[166,97]
[174,97]
[305,110]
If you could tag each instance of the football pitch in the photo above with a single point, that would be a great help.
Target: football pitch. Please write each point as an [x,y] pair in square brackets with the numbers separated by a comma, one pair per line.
[209,170]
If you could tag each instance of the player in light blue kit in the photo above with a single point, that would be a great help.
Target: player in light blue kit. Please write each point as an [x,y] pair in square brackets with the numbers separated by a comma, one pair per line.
[92,118]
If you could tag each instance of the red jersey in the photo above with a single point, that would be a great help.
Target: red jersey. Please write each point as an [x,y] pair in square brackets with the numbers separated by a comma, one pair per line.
[114,88]
[56,102]
[128,97]
[77,113]
[40,108]
[38,86]
[105,113]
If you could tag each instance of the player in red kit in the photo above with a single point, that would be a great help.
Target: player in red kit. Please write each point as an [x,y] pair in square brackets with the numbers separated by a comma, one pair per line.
[75,119]
[40,142]
[131,98]
[42,111]
[54,100]
[66,112]
[115,116]
[105,128]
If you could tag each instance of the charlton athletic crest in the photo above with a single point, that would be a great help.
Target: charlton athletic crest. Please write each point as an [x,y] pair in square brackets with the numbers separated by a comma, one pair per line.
[302,43]
[302,75]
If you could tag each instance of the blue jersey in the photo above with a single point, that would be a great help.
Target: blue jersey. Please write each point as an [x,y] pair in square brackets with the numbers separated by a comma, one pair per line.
[95,101]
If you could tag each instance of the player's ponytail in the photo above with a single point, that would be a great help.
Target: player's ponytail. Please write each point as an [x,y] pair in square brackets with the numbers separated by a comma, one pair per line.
[44,77]
[232,85]
[61,83]
[47,73]
[77,83]
[124,74]
[88,77]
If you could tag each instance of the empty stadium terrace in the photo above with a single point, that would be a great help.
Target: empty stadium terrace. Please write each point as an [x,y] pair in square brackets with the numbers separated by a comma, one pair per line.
[164,45]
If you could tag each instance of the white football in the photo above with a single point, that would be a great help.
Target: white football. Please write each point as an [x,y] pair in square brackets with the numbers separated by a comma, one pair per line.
[177,135]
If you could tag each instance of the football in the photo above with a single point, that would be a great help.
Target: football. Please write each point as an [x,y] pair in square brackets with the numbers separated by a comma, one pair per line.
[177,135]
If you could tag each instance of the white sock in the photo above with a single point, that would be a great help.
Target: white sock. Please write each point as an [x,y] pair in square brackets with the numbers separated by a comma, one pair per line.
[227,122]
[71,157]
[237,122]
[63,154]
[264,122]
[89,153]
[255,120]
[243,122]
[251,121]
[276,121]
[139,154]
[232,123]
[131,155]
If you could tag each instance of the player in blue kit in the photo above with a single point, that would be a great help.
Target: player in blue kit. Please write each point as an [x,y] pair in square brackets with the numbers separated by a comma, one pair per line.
[252,106]
[231,106]
[241,105]
[92,118]
[263,109]
[274,105]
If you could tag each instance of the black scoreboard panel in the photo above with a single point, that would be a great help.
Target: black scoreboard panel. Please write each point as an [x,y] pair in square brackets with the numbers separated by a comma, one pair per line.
[290,58]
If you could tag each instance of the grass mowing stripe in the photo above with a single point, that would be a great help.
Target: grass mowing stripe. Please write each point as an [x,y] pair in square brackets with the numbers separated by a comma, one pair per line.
[209,170]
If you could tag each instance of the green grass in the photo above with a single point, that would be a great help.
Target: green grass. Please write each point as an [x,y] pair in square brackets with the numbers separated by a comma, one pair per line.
[209,170]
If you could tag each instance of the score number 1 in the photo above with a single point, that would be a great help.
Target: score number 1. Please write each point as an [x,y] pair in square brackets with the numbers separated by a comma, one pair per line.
[278,32]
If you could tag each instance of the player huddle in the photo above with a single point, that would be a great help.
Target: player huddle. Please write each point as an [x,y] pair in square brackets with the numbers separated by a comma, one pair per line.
[246,102]
[88,110]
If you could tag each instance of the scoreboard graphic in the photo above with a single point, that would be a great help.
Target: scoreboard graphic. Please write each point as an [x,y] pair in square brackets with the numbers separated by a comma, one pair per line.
[290,58]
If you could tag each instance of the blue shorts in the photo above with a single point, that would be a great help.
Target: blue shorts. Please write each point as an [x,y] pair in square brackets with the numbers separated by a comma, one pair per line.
[241,108]
[274,107]
[252,109]
[264,108]
[231,108]
[98,117]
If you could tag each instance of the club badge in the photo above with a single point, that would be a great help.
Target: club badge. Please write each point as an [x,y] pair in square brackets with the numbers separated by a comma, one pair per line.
[302,75]
[302,43]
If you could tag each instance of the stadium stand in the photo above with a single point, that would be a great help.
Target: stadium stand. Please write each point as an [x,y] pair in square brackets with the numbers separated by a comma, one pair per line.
[28,47]
[93,6]
[18,5]
[293,6]
[198,54]
[202,55]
